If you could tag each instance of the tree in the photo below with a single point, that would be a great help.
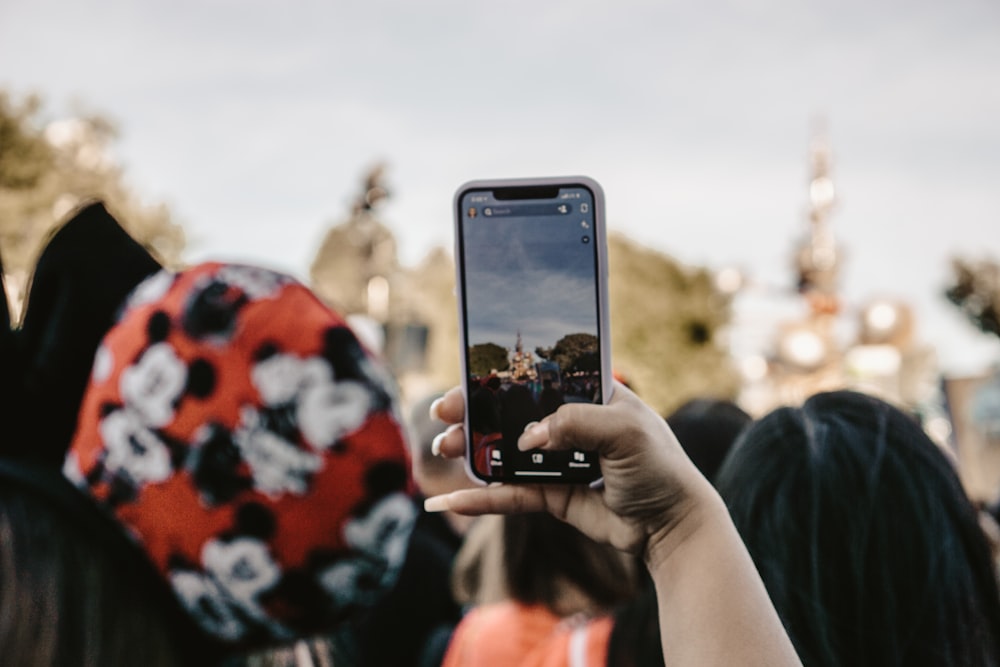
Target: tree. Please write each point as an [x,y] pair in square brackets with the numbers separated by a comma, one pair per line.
[574,353]
[25,156]
[485,358]
[48,169]
[975,290]
[665,320]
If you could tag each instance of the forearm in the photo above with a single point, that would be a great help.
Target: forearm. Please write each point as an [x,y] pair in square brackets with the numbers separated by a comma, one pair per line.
[713,607]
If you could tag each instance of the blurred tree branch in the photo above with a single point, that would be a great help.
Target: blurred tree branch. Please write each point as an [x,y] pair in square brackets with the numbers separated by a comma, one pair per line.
[975,290]
[49,168]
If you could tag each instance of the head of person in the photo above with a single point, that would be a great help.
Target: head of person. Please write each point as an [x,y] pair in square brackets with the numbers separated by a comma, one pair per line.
[549,562]
[863,535]
[237,479]
[707,429]
[73,592]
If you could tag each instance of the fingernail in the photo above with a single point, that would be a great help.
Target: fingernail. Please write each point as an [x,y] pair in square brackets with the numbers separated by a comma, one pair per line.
[435,406]
[436,444]
[536,434]
[436,504]
[529,425]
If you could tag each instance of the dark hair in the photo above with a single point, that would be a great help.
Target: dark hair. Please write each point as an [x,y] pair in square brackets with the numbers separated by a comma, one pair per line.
[635,636]
[542,554]
[707,429]
[864,536]
[70,596]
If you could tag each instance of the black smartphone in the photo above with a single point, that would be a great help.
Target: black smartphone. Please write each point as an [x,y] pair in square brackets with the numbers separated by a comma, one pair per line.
[531,258]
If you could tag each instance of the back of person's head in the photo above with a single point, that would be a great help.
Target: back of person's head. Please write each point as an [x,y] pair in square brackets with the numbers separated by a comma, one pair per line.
[74,593]
[864,536]
[236,427]
[707,429]
[236,448]
[551,563]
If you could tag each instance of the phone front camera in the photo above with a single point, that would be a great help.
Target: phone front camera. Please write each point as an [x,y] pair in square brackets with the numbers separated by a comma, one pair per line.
[585,239]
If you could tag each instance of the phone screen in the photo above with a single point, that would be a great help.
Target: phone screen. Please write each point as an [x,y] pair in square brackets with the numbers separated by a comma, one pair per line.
[529,268]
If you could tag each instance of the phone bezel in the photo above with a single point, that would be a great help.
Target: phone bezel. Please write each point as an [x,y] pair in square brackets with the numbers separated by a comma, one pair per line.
[603,323]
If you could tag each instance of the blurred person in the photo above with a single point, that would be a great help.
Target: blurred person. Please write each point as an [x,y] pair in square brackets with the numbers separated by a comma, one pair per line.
[988,521]
[74,593]
[864,536]
[550,398]
[478,570]
[551,579]
[713,608]
[435,475]
[707,429]
[235,472]
[420,612]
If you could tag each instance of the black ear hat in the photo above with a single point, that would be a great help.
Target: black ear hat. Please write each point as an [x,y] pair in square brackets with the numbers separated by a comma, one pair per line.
[82,277]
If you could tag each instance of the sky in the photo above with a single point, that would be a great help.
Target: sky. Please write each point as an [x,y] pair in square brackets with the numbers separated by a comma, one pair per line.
[538,280]
[255,120]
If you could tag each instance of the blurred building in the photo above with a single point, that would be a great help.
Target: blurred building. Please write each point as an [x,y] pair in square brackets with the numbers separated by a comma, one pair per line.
[406,315]
[826,344]
[974,407]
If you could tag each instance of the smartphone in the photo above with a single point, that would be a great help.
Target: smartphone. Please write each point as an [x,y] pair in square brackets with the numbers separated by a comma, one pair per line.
[531,259]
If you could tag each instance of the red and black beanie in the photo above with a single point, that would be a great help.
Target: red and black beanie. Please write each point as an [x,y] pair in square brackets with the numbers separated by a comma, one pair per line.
[252,447]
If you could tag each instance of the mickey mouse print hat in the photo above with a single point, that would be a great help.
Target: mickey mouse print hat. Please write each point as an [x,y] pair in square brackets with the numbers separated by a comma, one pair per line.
[241,434]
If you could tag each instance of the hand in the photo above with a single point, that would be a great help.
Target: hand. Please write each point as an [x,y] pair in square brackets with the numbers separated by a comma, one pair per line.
[650,486]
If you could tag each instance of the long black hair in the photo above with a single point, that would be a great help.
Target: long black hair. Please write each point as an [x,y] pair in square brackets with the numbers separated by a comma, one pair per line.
[75,591]
[866,540]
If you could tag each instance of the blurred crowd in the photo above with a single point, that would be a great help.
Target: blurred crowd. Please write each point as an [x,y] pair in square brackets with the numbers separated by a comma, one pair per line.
[211,467]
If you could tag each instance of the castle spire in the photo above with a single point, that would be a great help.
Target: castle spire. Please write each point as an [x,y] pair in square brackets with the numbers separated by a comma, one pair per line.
[817,259]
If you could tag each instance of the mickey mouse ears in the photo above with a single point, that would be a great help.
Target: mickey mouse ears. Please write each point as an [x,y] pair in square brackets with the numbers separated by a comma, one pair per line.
[224,418]
[84,273]
[240,432]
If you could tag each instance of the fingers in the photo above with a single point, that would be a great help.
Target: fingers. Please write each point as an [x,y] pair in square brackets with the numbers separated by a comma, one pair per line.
[582,508]
[450,408]
[497,499]
[589,427]
[536,435]
[450,443]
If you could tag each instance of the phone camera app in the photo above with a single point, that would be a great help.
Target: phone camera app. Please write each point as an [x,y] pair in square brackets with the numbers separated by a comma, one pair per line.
[585,239]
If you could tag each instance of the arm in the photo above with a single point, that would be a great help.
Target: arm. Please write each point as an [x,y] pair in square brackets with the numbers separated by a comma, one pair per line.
[713,607]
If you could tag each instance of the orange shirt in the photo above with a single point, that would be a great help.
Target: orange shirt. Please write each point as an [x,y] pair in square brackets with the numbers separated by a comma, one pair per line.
[509,633]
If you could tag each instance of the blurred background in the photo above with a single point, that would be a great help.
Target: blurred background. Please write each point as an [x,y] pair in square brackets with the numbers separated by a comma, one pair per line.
[801,195]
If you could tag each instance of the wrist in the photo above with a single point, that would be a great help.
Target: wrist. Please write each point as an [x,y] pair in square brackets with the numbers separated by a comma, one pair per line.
[701,513]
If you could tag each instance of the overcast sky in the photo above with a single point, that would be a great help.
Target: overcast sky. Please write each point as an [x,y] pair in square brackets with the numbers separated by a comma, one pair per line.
[255,120]
[539,281]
